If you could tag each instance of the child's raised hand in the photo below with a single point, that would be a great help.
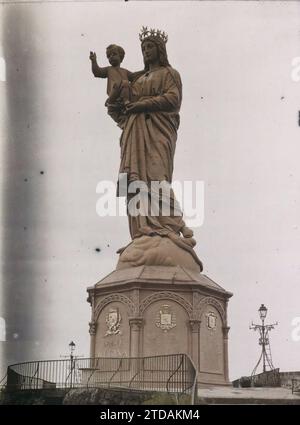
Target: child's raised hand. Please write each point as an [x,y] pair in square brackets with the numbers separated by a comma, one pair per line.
[93,56]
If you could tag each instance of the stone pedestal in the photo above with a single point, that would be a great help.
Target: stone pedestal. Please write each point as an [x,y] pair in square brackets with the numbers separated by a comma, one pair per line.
[154,310]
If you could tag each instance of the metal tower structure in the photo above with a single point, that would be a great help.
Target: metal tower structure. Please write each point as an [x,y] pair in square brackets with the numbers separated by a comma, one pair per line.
[264,341]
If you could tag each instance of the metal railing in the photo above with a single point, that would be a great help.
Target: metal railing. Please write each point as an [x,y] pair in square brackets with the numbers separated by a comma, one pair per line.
[174,373]
[3,382]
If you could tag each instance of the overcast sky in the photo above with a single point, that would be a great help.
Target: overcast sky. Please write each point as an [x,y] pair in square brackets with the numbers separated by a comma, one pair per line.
[239,134]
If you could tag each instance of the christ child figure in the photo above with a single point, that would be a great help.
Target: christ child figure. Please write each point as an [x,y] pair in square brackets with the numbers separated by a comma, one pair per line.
[118,79]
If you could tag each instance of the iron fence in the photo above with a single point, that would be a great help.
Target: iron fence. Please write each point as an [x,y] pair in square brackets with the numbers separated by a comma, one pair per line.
[173,373]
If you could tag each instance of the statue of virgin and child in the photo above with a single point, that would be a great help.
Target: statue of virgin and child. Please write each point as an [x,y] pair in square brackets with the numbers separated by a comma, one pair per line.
[146,105]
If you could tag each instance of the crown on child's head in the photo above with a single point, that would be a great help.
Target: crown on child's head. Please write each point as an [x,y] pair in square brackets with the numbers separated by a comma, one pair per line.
[145,33]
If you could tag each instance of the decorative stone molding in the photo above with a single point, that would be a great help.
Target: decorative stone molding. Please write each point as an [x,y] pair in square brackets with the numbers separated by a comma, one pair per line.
[213,302]
[135,298]
[226,308]
[195,325]
[114,298]
[136,323]
[166,295]
[225,331]
[197,297]
[92,328]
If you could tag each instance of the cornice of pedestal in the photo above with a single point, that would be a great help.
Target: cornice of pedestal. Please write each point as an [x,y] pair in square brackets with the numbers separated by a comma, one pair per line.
[162,278]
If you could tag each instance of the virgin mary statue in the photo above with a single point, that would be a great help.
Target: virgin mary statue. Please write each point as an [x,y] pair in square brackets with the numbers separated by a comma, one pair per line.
[150,121]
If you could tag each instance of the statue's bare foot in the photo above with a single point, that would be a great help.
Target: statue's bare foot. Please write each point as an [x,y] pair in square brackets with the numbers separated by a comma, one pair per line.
[187,232]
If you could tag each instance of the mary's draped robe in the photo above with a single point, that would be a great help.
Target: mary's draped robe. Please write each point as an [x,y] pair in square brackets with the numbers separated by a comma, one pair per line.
[148,145]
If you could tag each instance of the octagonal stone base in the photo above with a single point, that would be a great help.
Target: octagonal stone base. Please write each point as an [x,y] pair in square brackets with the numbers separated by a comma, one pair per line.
[155,310]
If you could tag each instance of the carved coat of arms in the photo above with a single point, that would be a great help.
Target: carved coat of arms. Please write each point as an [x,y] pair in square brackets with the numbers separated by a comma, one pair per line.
[165,319]
[113,321]
[211,320]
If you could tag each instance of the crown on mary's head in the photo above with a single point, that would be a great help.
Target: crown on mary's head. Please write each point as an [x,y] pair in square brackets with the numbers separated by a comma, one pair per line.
[145,33]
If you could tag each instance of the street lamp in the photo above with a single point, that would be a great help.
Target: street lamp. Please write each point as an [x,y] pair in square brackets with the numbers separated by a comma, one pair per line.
[263,329]
[263,312]
[73,365]
[72,346]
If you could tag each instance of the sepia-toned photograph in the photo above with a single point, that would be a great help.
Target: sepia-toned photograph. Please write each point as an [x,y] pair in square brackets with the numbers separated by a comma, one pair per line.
[150,203]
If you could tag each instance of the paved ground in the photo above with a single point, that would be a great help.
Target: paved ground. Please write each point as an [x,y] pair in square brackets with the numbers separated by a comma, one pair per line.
[221,395]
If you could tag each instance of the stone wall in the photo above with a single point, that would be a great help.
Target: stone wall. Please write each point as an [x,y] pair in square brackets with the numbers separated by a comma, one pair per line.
[116,396]
[32,397]
[91,396]
[268,379]
[286,378]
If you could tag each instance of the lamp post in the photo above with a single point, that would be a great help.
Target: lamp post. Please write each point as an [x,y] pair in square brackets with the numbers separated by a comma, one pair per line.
[72,346]
[263,312]
[72,375]
[264,341]
[73,365]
